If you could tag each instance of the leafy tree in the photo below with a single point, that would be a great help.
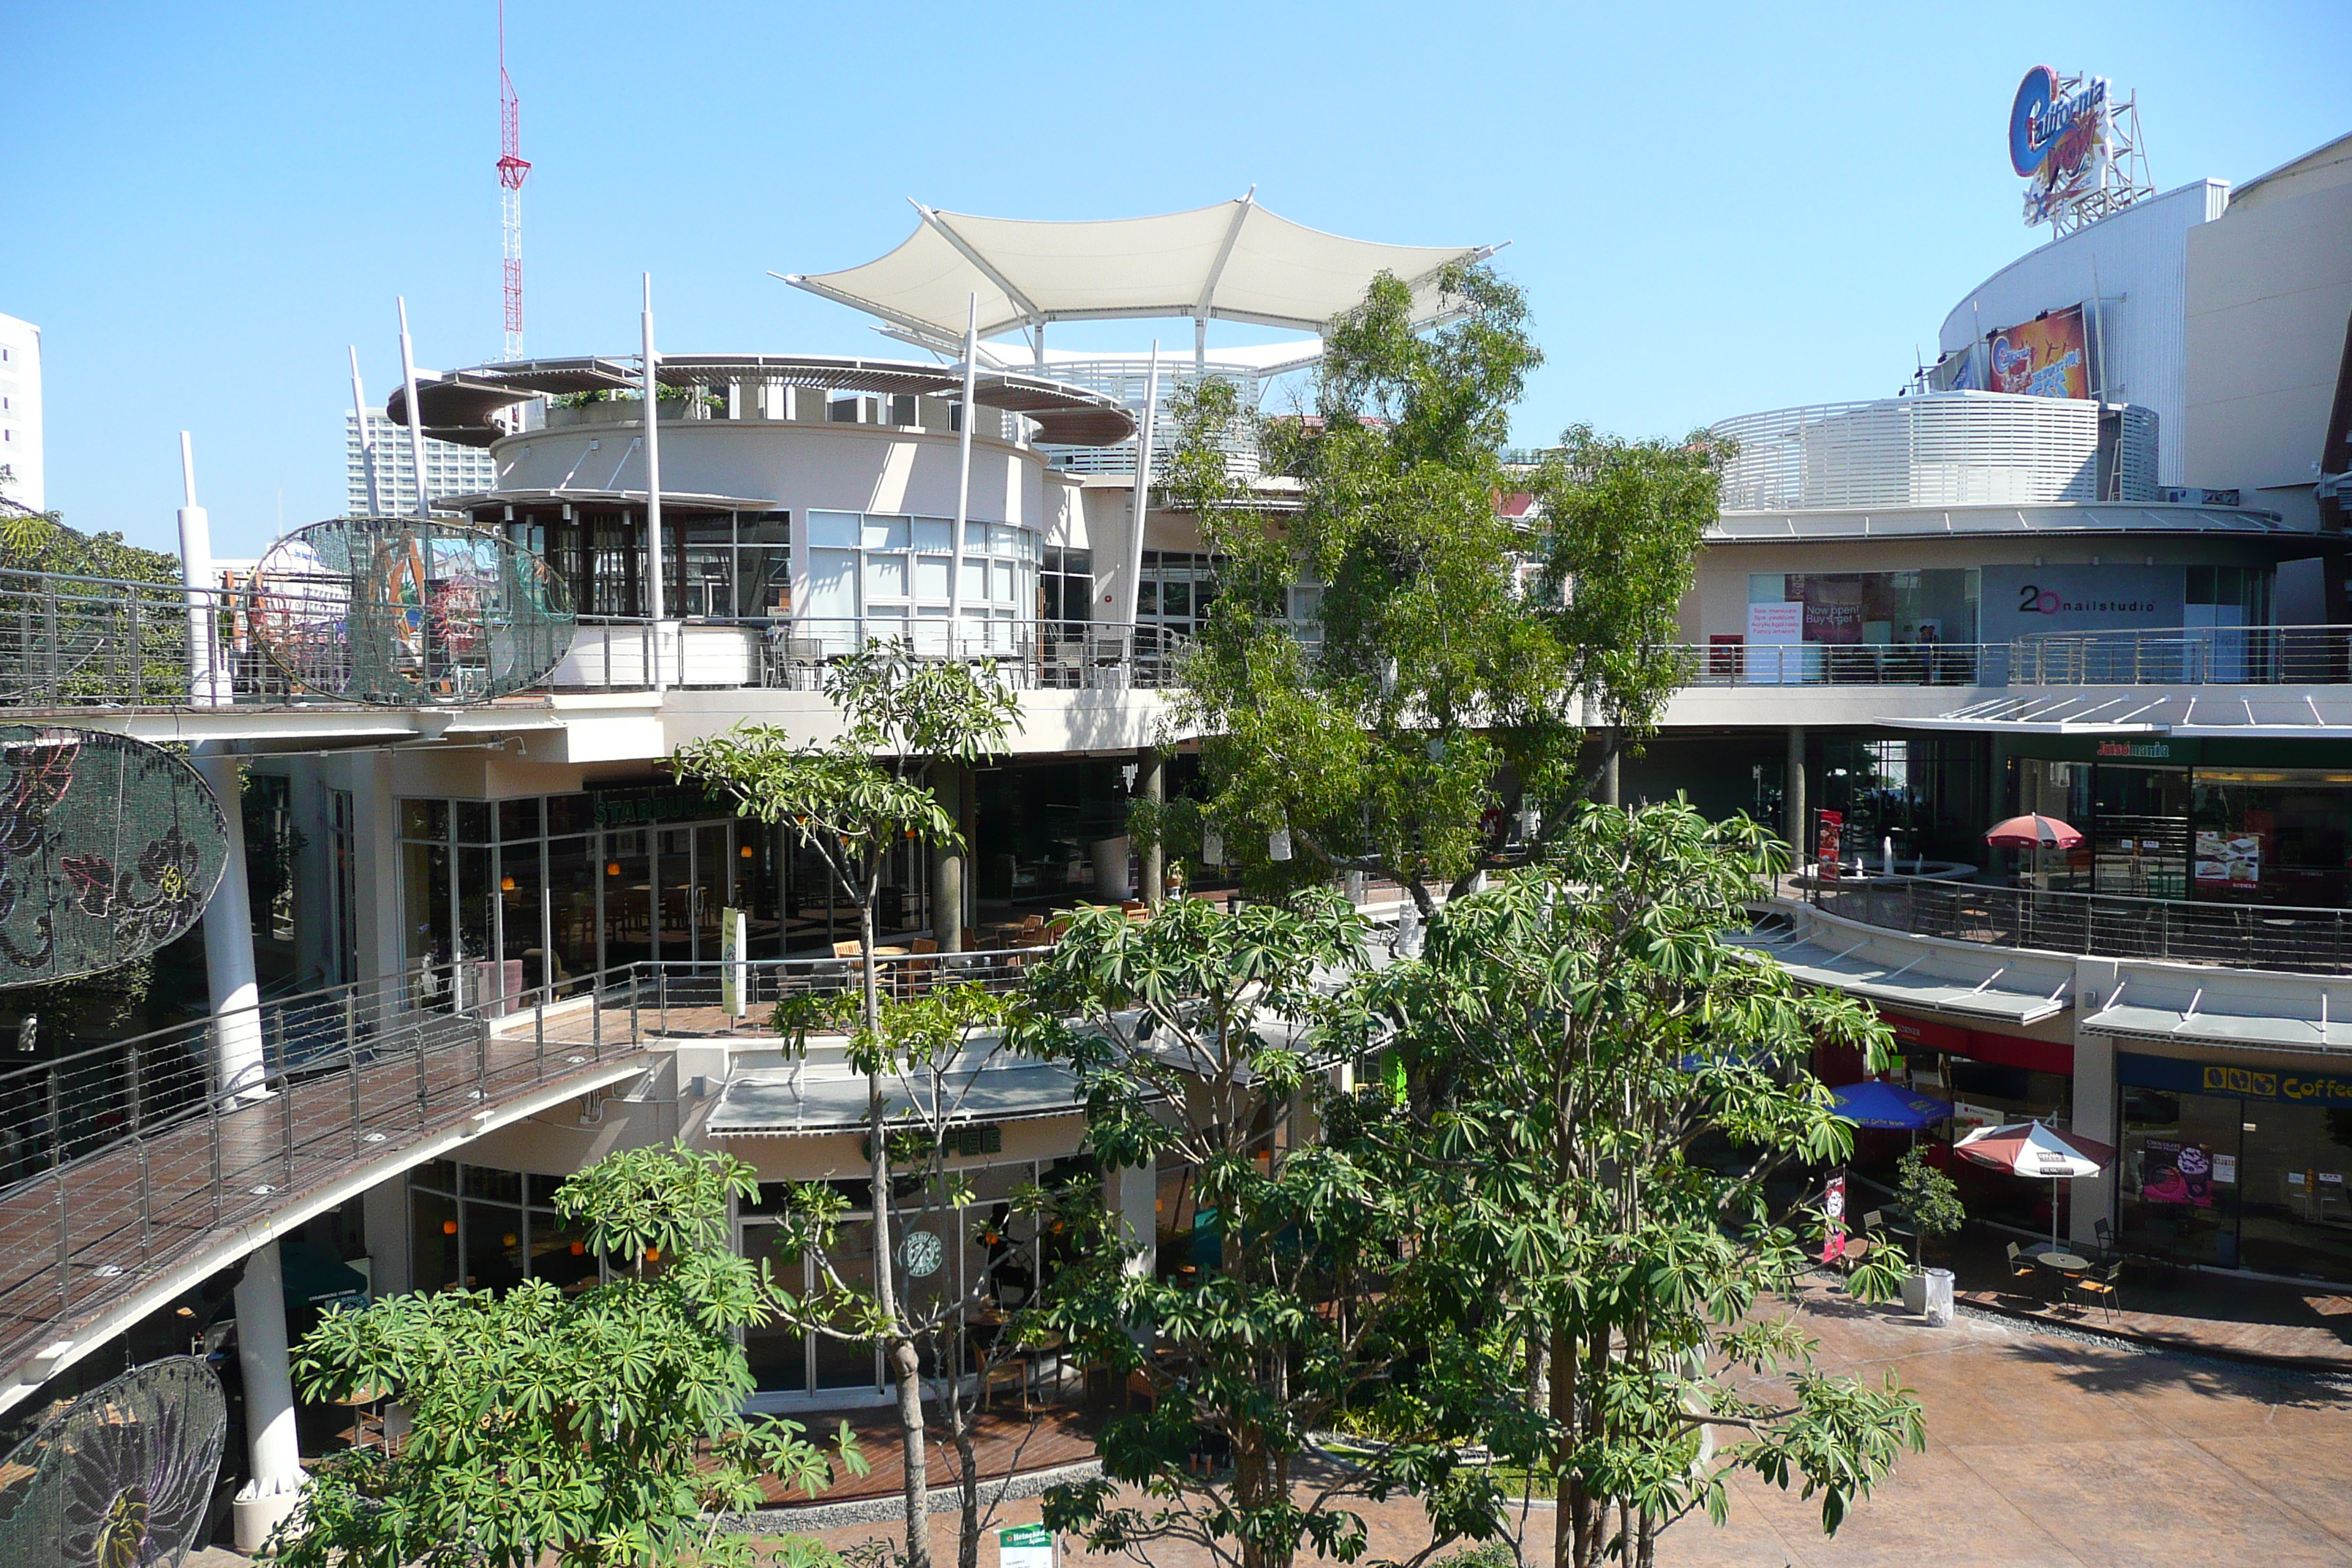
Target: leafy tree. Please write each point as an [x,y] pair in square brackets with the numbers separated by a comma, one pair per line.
[853,801]
[1203,1038]
[1607,1081]
[596,1431]
[1460,649]
[931,1047]
[1929,1197]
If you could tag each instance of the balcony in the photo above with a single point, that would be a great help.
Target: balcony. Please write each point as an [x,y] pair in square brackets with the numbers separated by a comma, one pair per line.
[80,644]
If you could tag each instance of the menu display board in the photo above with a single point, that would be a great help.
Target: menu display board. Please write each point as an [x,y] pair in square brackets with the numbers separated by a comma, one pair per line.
[2229,860]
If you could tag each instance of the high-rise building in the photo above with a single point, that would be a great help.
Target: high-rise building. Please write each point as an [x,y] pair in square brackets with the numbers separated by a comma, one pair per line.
[449,469]
[21,479]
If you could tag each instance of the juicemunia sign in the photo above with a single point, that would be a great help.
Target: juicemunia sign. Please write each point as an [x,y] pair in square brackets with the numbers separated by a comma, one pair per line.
[2028,601]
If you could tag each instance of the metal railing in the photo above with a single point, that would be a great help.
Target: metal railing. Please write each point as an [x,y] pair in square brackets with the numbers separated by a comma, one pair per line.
[623,654]
[124,1158]
[117,1162]
[2106,925]
[2187,656]
[1847,664]
[75,642]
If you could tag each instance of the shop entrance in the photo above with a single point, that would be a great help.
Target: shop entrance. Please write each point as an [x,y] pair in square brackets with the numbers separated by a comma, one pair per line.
[2139,831]
[664,888]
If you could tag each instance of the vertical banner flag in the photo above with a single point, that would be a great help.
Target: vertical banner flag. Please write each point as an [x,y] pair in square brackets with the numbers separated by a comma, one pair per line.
[1834,1215]
[734,971]
[1829,842]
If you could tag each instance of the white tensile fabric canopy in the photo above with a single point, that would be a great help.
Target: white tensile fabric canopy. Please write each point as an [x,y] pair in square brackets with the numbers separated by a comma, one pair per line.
[1234,262]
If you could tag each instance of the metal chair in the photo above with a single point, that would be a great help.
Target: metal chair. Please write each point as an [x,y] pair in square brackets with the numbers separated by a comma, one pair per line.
[2106,1289]
[2021,1267]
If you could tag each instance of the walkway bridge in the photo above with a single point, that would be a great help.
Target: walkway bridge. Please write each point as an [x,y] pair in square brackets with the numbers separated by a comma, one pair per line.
[129,1173]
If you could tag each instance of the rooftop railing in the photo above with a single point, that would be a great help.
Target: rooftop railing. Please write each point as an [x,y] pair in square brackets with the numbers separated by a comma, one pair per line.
[2187,656]
[2105,925]
[88,642]
[1848,664]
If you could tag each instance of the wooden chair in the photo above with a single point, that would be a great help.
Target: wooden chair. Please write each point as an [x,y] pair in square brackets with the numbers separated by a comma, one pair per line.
[844,950]
[1011,1368]
[2104,1289]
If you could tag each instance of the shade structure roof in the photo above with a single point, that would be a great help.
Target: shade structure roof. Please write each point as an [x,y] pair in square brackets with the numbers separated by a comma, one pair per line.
[811,1099]
[1235,262]
[1943,981]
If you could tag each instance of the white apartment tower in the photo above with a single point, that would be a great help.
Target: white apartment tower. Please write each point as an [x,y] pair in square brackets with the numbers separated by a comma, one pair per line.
[449,469]
[21,479]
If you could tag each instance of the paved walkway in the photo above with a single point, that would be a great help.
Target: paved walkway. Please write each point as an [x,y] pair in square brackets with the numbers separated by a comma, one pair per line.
[2044,1451]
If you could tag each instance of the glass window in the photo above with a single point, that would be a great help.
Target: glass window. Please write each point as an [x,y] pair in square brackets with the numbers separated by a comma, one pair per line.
[838,529]
[883,532]
[494,1246]
[433,1241]
[572,878]
[425,896]
[934,577]
[425,819]
[473,821]
[518,819]
[569,814]
[852,1365]
[2170,1198]
[934,533]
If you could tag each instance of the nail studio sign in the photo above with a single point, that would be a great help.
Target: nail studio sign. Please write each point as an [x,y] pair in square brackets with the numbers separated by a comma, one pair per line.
[2033,601]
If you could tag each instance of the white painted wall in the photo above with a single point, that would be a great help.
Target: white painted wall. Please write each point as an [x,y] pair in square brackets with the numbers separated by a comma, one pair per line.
[20,413]
[2140,258]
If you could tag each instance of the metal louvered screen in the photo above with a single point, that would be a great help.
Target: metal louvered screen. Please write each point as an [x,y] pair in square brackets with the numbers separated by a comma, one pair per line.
[109,849]
[400,612]
[1956,449]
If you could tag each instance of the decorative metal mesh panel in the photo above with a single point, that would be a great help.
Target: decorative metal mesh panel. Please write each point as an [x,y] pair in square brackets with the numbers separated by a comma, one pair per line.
[407,613]
[109,847]
[122,1477]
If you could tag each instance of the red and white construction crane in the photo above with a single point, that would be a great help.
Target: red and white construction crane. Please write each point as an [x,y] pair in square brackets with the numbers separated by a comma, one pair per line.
[512,171]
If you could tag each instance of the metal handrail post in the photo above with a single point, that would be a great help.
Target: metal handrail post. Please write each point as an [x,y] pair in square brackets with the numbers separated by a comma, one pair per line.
[285,1124]
[352,1060]
[538,1032]
[424,1086]
[146,1185]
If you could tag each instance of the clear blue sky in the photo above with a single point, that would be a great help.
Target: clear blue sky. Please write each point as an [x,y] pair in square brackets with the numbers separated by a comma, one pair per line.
[1713,208]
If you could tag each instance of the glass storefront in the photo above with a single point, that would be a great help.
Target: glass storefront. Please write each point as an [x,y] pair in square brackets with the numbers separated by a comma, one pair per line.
[532,892]
[885,567]
[2252,1179]
[1877,610]
[2263,836]
[1175,590]
[488,1230]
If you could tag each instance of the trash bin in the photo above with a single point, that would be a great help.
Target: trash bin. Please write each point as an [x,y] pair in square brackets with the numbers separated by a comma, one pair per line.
[1929,1294]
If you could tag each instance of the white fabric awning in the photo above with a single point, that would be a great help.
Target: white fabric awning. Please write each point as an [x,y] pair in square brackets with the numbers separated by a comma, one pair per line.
[1235,262]
[1932,981]
[812,1099]
[2245,1031]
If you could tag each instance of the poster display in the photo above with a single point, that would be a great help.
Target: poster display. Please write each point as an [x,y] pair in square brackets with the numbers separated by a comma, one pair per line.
[1829,842]
[2048,356]
[1833,1218]
[2172,1173]
[1775,633]
[2229,860]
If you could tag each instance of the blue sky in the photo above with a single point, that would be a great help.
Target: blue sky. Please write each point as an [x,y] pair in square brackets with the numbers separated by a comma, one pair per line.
[1713,209]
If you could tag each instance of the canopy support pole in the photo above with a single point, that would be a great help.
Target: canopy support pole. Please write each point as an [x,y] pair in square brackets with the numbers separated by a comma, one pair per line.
[653,491]
[1142,490]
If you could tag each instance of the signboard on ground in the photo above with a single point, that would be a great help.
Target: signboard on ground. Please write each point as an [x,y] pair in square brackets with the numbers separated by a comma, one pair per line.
[1024,1546]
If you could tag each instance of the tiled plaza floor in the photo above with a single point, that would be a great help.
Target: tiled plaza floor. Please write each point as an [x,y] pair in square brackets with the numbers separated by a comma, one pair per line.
[2044,1451]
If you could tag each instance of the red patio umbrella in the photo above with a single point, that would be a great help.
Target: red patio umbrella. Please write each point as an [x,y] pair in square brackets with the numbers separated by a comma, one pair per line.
[2033,831]
[2037,1149]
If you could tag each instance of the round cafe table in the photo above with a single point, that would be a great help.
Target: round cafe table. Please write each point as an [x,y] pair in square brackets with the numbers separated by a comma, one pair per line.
[2061,1262]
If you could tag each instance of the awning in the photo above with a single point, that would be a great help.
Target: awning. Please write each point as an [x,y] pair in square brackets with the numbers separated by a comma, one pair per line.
[1235,262]
[811,1099]
[2242,1031]
[1933,982]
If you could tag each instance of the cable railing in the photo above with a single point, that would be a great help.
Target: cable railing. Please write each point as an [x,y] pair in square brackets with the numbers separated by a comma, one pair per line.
[69,642]
[1847,664]
[2187,656]
[626,654]
[2282,937]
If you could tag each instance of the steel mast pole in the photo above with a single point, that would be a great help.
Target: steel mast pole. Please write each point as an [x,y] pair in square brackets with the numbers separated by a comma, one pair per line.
[963,463]
[653,489]
[367,435]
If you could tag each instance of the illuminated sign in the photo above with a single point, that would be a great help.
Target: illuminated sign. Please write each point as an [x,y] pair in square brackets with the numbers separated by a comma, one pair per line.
[2058,139]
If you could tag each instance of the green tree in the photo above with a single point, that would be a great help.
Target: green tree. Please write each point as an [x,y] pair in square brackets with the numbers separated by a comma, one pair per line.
[600,1430]
[1607,1080]
[1930,1200]
[1459,651]
[854,801]
[932,1049]
[1203,1037]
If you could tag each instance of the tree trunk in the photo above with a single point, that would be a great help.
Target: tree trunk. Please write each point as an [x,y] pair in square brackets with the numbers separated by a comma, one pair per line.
[906,1366]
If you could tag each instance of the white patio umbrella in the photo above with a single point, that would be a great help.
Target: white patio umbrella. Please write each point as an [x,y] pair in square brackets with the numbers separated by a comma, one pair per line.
[2037,1149]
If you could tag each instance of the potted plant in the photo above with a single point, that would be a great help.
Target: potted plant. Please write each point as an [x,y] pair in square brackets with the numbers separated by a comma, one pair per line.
[1932,1200]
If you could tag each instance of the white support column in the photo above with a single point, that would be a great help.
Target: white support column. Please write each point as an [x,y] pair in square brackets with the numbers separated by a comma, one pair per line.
[1142,489]
[653,492]
[2097,1113]
[376,868]
[963,468]
[274,1454]
[238,1066]
[1138,1220]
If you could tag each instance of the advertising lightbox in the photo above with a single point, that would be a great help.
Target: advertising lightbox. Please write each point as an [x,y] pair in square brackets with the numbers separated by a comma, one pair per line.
[2047,357]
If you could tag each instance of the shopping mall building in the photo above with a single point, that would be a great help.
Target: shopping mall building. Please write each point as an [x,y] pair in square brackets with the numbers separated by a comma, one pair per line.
[2118,600]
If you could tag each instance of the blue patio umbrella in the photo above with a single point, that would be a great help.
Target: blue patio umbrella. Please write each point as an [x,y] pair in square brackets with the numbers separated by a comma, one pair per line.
[1878,1104]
